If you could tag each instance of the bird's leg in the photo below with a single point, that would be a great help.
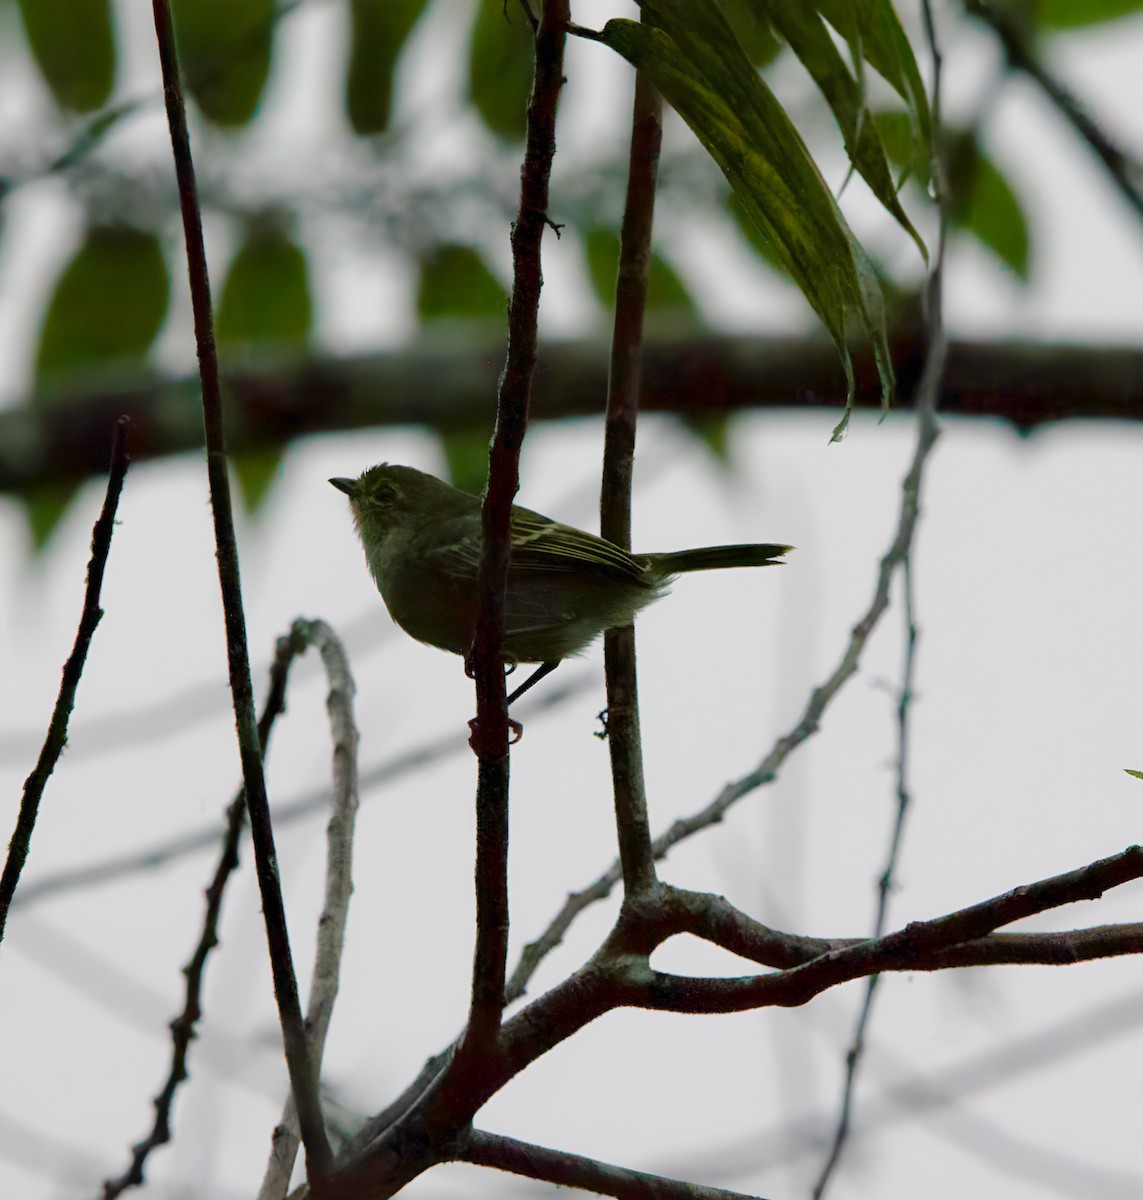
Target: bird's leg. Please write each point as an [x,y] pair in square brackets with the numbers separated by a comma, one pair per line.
[545,668]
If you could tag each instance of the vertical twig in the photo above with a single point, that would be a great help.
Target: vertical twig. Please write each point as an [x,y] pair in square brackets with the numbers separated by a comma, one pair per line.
[56,737]
[183,1026]
[928,393]
[338,885]
[624,742]
[318,1155]
[490,728]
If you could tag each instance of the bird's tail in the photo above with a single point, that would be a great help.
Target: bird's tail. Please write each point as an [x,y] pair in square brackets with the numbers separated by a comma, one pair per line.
[712,558]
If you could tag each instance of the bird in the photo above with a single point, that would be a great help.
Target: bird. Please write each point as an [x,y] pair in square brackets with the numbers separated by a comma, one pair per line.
[422,540]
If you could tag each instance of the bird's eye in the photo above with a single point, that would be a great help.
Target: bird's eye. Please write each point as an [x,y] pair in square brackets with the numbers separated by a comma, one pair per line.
[386,493]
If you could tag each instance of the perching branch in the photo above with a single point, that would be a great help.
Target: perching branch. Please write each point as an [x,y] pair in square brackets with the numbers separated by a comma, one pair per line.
[56,738]
[623,736]
[304,1085]
[485,663]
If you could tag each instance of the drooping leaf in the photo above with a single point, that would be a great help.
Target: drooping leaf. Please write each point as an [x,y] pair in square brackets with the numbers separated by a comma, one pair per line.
[224,47]
[266,300]
[690,54]
[109,303]
[73,43]
[378,32]
[666,292]
[809,39]
[874,33]
[1073,14]
[466,455]
[455,283]
[500,61]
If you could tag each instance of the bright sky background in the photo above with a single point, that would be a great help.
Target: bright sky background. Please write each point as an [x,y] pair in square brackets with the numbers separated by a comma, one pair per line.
[1029,576]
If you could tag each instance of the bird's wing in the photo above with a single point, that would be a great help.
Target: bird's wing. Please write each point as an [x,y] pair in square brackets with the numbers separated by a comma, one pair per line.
[539,544]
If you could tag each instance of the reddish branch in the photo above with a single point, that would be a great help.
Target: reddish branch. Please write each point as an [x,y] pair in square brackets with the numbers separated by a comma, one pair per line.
[485,663]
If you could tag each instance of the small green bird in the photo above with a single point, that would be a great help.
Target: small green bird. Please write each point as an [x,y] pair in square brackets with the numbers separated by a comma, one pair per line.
[422,540]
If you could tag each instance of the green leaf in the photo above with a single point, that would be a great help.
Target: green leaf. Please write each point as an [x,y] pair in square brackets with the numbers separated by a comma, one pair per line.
[224,48]
[109,303]
[1072,14]
[713,430]
[466,453]
[44,508]
[266,299]
[1137,774]
[713,86]
[501,55]
[874,34]
[456,284]
[73,43]
[257,472]
[809,39]
[984,204]
[378,31]
[666,292]
[754,32]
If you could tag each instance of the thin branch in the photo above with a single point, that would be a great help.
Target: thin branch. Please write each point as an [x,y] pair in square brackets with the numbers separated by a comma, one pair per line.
[338,887]
[574,1170]
[623,737]
[1124,171]
[928,393]
[884,888]
[56,737]
[486,662]
[304,1085]
[183,1026]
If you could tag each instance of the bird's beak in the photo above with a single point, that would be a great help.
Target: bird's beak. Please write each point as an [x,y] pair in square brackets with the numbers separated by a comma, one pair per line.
[348,486]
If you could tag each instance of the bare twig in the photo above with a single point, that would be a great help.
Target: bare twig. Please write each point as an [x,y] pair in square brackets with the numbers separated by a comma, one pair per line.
[573,1170]
[183,1026]
[56,737]
[304,1085]
[927,398]
[338,887]
[490,727]
[623,736]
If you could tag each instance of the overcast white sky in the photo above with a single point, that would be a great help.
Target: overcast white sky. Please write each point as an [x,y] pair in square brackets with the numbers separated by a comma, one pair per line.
[1029,577]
